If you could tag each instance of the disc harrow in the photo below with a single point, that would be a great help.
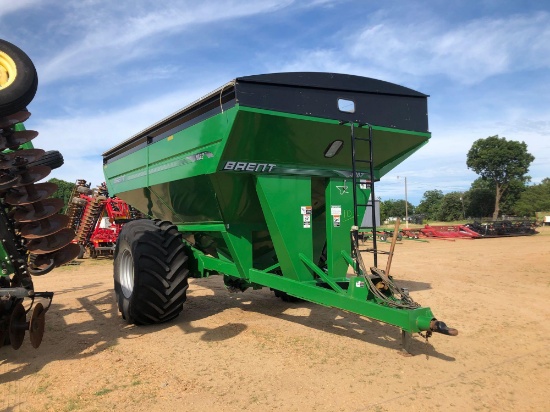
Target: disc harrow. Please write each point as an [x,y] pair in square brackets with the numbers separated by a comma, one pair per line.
[75,208]
[34,236]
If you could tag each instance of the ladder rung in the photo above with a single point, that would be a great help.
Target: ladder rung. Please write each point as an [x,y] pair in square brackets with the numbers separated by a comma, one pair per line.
[362,161]
[362,138]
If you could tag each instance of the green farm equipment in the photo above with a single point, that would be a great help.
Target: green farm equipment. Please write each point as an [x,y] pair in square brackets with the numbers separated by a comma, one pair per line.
[267,180]
[34,237]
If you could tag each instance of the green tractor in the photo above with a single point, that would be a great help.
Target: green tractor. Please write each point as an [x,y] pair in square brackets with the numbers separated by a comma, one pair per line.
[267,180]
[34,236]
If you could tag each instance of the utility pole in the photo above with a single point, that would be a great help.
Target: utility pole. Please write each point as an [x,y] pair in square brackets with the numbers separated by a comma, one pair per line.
[406,204]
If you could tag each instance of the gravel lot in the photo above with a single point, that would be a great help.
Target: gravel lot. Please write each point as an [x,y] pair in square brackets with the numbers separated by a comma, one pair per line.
[252,351]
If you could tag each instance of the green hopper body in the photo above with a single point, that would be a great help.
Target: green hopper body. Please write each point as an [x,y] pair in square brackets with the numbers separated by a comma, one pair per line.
[258,176]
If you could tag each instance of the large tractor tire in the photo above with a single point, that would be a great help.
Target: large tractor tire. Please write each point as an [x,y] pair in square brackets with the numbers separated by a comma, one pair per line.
[52,158]
[150,272]
[18,79]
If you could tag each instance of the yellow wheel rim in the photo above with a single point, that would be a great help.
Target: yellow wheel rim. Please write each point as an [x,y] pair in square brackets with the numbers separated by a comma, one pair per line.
[8,70]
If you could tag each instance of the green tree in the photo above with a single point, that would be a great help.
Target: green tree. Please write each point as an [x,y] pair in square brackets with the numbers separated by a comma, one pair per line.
[430,204]
[512,195]
[500,161]
[394,208]
[64,191]
[535,198]
[480,198]
[451,207]
[383,213]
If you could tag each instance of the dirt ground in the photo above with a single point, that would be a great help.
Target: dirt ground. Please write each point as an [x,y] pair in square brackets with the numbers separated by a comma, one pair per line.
[252,351]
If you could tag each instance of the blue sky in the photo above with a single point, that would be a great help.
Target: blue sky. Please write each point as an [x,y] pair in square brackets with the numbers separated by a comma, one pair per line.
[108,69]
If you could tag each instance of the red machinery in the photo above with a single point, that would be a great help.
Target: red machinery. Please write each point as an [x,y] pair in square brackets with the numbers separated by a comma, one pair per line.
[441,232]
[449,232]
[97,219]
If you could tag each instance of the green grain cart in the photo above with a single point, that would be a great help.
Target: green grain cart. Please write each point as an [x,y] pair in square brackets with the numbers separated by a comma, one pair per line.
[267,180]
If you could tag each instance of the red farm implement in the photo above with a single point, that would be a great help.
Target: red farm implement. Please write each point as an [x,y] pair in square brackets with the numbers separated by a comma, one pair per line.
[97,219]
[440,232]
[449,232]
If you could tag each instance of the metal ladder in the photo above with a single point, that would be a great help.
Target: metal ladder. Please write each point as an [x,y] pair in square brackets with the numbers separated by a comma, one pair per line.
[355,160]
[404,300]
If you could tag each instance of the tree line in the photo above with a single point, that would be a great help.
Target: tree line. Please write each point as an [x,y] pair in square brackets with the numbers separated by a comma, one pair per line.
[502,188]
[64,191]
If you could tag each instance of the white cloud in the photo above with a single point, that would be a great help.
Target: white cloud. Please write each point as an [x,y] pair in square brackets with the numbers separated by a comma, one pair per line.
[323,3]
[82,138]
[11,6]
[111,37]
[441,164]
[467,53]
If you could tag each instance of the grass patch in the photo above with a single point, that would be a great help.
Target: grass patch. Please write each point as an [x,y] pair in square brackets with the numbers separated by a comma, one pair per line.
[73,405]
[43,388]
[103,391]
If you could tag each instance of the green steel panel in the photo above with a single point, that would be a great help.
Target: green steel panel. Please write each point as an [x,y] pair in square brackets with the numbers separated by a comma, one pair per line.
[296,144]
[5,262]
[199,227]
[239,242]
[410,320]
[128,173]
[322,275]
[190,152]
[339,219]
[286,202]
[238,200]
[190,200]
[318,225]
[212,263]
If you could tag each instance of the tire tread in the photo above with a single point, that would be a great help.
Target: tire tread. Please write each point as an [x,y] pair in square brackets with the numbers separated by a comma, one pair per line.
[160,272]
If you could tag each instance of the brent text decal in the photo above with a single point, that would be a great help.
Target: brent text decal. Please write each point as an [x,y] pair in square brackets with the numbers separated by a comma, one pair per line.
[249,167]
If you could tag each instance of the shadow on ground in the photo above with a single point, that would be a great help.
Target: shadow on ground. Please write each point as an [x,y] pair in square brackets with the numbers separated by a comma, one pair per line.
[104,325]
[326,319]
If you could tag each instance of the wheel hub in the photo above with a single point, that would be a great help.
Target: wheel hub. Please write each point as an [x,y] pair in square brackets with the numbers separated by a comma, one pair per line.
[8,70]
[127,273]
